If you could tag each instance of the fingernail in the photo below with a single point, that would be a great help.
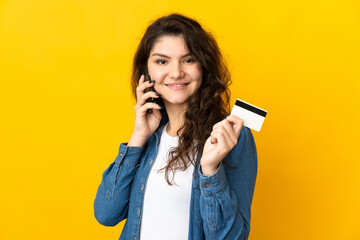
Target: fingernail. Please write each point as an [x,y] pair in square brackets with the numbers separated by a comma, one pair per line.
[157,94]
[161,106]
[152,81]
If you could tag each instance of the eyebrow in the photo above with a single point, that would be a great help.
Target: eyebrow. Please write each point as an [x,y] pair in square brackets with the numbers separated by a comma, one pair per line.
[165,56]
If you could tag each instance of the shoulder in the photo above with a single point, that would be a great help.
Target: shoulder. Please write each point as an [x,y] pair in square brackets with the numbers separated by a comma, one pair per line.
[245,139]
[245,149]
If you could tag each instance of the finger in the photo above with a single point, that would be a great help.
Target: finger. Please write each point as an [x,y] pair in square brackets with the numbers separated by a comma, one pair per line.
[227,126]
[236,122]
[213,140]
[144,81]
[221,123]
[208,140]
[141,79]
[218,137]
[157,113]
[224,144]
[147,106]
[217,125]
[142,86]
[142,100]
[226,138]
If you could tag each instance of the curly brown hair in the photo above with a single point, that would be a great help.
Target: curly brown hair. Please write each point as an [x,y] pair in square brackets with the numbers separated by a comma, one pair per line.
[209,105]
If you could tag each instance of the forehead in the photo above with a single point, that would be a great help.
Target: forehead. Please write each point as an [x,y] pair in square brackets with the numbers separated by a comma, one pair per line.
[170,45]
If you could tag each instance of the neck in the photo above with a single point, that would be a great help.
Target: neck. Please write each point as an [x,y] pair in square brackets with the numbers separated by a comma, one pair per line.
[176,114]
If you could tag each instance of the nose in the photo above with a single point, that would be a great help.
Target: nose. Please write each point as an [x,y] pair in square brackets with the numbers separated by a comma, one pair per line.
[176,71]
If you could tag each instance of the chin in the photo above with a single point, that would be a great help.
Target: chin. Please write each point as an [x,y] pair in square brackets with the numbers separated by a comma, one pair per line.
[177,101]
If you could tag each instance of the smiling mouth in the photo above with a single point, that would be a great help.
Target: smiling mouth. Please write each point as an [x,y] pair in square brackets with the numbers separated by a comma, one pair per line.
[177,85]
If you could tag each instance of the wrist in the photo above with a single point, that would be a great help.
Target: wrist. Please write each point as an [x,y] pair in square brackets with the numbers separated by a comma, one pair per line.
[137,141]
[209,170]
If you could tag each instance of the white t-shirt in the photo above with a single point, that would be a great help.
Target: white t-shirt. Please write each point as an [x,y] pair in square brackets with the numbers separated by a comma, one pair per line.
[166,208]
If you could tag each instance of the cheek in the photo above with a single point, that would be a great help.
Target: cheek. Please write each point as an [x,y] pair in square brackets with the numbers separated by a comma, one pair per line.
[156,74]
[159,77]
[197,74]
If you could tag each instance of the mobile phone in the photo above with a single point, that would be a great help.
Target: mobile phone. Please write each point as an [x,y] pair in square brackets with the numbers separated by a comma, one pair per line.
[151,99]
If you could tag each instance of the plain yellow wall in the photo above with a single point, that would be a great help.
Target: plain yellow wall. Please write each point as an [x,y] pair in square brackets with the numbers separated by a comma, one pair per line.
[66,105]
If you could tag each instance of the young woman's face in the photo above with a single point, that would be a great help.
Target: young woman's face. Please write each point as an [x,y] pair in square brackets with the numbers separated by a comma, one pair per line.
[177,74]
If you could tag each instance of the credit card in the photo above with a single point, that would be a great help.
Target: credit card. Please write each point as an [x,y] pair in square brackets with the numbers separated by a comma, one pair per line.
[252,116]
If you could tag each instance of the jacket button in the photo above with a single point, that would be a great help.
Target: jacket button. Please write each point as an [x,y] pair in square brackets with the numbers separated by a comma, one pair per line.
[142,187]
[138,211]
[121,154]
[151,162]
[207,185]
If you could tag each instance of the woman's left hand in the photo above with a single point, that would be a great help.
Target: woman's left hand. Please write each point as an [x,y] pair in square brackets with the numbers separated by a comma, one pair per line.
[222,139]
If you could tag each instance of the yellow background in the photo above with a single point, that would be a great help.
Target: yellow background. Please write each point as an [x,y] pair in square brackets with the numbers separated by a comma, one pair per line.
[66,105]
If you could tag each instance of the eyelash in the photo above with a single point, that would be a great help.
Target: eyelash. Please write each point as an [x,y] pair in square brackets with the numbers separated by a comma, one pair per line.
[158,61]
[191,60]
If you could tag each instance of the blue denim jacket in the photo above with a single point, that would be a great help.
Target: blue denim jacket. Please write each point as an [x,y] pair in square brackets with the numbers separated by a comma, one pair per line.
[220,203]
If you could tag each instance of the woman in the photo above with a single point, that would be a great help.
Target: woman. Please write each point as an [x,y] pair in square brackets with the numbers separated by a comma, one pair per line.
[189,168]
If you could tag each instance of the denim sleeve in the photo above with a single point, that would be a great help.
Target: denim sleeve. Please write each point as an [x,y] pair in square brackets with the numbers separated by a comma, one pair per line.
[112,199]
[226,195]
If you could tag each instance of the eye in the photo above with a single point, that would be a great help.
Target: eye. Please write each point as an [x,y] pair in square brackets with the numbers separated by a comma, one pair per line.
[189,60]
[161,61]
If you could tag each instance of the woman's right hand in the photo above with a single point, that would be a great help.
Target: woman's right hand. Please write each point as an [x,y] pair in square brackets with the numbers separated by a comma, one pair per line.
[145,123]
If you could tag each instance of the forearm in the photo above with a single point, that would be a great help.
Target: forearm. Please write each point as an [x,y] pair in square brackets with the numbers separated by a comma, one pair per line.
[220,210]
[137,140]
[112,198]
[226,195]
